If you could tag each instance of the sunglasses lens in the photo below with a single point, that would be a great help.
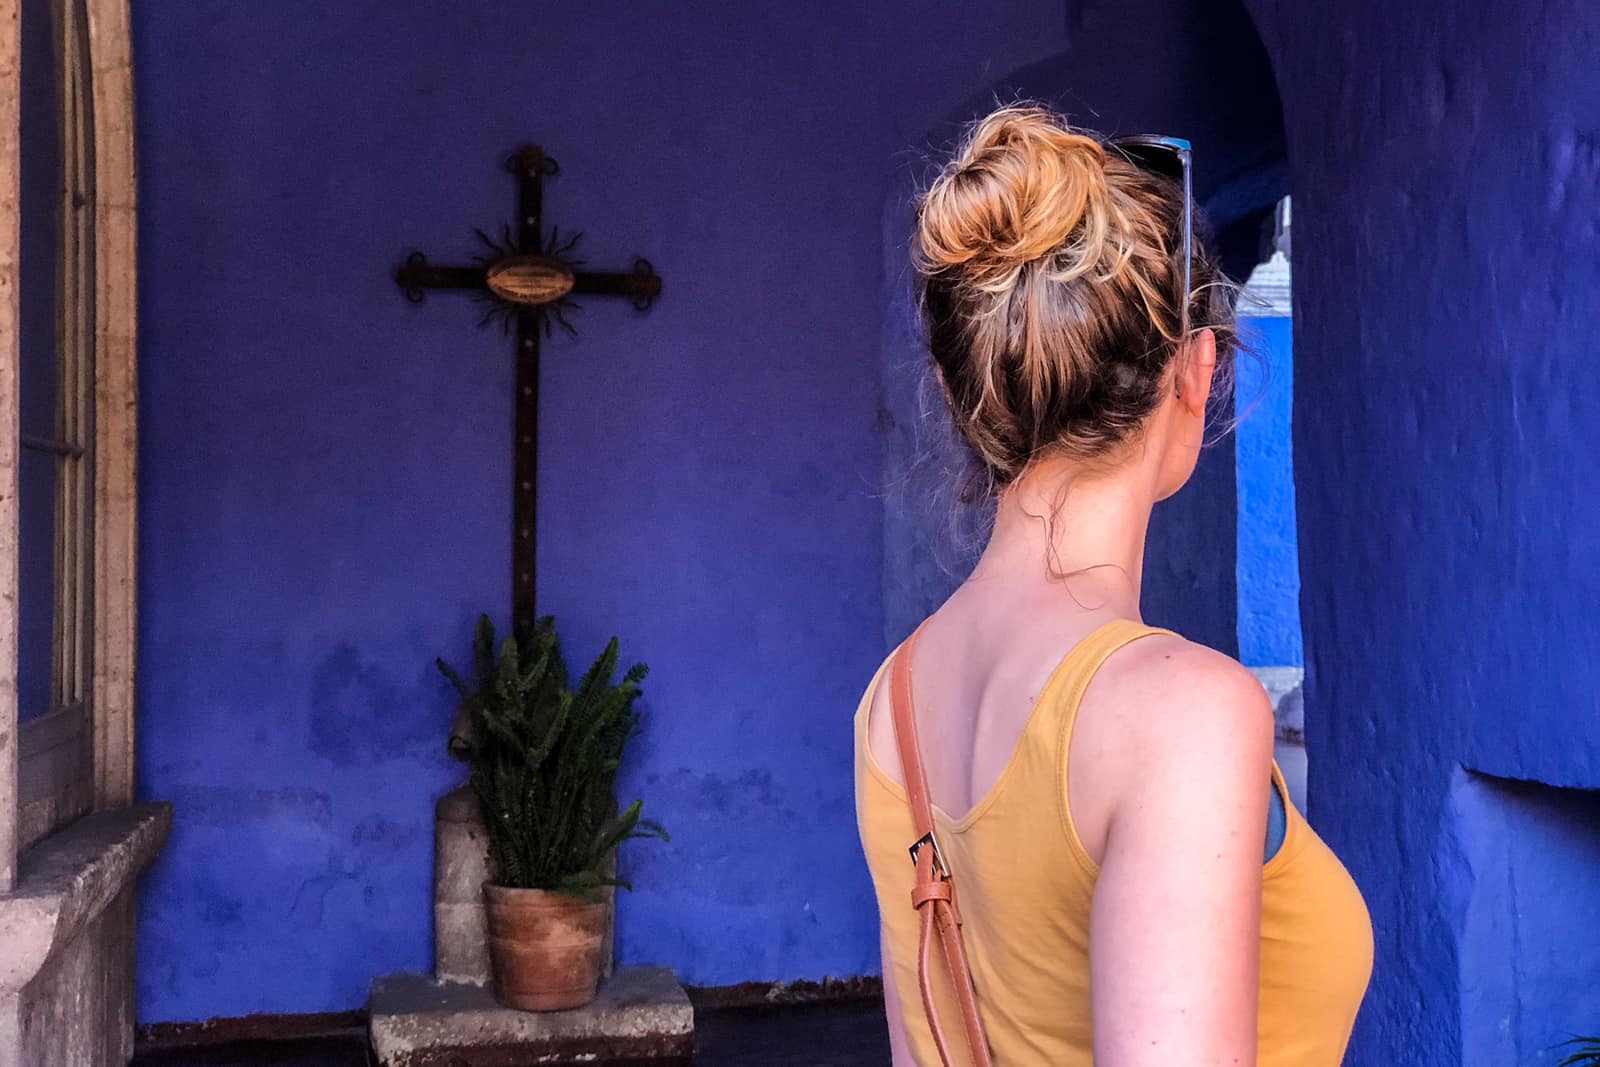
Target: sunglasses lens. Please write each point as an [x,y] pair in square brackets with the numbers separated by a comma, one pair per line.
[1157,158]
[1169,158]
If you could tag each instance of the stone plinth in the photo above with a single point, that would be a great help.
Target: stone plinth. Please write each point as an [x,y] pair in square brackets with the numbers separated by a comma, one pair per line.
[66,941]
[460,867]
[642,1013]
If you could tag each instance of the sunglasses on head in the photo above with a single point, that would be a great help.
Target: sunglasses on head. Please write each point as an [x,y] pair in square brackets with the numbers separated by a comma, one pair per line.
[1169,157]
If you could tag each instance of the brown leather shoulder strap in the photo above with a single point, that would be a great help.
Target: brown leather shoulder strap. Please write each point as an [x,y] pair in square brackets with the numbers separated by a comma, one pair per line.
[934,894]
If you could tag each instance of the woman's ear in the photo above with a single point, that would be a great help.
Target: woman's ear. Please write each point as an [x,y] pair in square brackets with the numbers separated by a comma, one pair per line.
[1196,366]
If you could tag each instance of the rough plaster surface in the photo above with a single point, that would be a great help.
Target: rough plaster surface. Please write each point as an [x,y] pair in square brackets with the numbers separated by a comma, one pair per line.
[641,1013]
[1447,207]
[325,468]
[1447,180]
[1523,893]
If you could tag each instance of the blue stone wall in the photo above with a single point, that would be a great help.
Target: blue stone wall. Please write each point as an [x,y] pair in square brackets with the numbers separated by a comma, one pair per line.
[325,468]
[1446,422]
[1524,878]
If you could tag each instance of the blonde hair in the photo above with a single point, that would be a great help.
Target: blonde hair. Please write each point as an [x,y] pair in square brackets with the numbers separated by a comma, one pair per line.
[1049,277]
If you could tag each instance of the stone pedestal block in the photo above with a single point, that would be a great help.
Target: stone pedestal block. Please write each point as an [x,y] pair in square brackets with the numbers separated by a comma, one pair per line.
[460,867]
[642,1013]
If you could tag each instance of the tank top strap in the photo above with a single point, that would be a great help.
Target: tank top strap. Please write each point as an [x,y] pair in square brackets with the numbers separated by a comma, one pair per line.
[1065,692]
[1084,661]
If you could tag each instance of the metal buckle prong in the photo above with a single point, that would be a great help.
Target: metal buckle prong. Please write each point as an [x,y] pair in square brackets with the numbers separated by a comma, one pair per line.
[939,865]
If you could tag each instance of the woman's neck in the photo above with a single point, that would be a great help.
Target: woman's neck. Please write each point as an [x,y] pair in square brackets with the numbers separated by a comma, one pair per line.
[1064,523]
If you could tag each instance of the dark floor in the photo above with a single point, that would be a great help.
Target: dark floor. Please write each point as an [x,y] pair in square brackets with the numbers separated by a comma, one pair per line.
[848,1034]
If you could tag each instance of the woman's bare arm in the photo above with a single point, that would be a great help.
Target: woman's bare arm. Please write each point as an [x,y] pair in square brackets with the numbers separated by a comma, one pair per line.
[1176,923]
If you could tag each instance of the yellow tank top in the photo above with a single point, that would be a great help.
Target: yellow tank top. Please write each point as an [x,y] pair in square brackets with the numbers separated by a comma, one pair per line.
[1026,884]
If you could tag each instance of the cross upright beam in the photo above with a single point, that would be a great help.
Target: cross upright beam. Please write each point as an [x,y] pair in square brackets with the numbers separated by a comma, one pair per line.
[527,282]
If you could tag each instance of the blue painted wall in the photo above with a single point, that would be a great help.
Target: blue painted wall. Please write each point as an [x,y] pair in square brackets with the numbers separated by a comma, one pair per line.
[1527,866]
[1268,559]
[324,498]
[1446,423]
[325,468]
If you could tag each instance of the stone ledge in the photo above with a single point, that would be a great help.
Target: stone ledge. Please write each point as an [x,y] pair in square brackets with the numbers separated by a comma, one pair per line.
[642,1013]
[66,880]
[1285,688]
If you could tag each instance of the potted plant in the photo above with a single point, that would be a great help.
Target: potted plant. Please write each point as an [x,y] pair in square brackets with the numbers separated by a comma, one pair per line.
[544,759]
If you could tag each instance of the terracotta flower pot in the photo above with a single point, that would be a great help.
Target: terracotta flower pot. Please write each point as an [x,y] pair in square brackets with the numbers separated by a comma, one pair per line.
[544,947]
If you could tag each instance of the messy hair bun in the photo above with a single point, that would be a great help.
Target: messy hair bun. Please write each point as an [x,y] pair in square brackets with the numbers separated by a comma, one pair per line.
[1049,277]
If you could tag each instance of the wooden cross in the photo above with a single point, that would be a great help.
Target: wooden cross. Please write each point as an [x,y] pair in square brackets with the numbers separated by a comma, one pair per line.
[527,281]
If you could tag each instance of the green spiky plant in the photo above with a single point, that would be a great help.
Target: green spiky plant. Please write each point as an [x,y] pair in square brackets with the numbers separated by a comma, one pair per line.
[1585,1052]
[544,760]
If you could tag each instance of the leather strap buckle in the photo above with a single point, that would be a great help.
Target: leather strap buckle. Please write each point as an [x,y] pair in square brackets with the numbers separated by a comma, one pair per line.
[940,867]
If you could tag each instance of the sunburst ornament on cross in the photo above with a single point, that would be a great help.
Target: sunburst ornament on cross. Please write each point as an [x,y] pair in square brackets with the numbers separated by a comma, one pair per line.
[527,282]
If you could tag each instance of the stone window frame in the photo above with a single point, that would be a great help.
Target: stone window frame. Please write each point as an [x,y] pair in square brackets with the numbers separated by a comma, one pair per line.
[109,323]
[54,758]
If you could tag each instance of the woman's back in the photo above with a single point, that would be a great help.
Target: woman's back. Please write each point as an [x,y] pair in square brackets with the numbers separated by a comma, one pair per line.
[1105,809]
[1027,880]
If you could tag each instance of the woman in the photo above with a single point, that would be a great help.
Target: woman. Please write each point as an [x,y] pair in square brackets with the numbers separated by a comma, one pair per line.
[1135,889]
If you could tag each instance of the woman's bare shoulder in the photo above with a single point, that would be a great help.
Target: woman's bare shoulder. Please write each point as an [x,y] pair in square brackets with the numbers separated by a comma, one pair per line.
[1172,685]
[1163,710]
